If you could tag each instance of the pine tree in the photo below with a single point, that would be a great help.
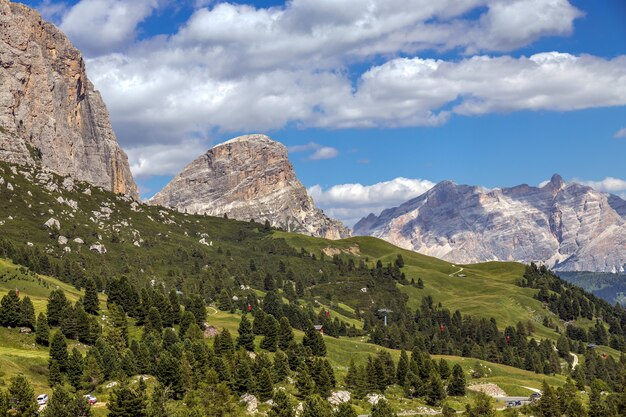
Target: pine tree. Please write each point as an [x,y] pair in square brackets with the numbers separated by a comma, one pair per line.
[314,340]
[420,283]
[548,404]
[597,407]
[42,331]
[403,368]
[382,409]
[153,321]
[223,344]
[93,375]
[157,401]
[75,365]
[304,382]
[243,378]
[128,364]
[435,393]
[483,407]
[175,307]
[323,384]
[22,397]
[58,350]
[91,303]
[185,321]
[62,404]
[57,303]
[246,337]
[54,373]
[444,369]
[571,404]
[270,341]
[285,334]
[281,366]
[126,402]
[10,310]
[344,410]
[315,406]
[265,386]
[169,374]
[269,284]
[282,407]
[456,387]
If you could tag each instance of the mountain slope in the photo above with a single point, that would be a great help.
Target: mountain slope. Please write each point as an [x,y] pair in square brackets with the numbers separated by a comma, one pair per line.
[249,177]
[49,110]
[568,226]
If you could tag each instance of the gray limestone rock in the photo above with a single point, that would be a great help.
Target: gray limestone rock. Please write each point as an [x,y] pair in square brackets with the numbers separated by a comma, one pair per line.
[249,177]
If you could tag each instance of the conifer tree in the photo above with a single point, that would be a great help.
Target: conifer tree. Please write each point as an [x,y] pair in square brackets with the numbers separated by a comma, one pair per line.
[246,336]
[597,407]
[571,405]
[223,344]
[153,321]
[344,410]
[169,374]
[403,368]
[270,341]
[175,307]
[315,406]
[314,340]
[382,409]
[548,405]
[243,378]
[265,386]
[322,380]
[91,304]
[27,313]
[420,283]
[57,303]
[456,387]
[126,402]
[185,321]
[281,366]
[483,407]
[10,310]
[22,397]
[54,373]
[75,367]
[93,375]
[157,401]
[304,382]
[282,407]
[62,404]
[444,369]
[285,334]
[435,393]
[42,331]
[58,350]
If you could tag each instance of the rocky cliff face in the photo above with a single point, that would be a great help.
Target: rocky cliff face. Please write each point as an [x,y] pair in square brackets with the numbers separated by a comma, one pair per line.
[249,177]
[49,110]
[568,226]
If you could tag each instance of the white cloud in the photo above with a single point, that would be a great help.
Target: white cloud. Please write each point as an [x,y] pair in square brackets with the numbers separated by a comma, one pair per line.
[237,68]
[620,133]
[350,202]
[318,151]
[163,159]
[608,185]
[102,26]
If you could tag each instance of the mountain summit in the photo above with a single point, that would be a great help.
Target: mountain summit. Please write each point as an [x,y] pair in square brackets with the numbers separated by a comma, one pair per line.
[50,112]
[249,177]
[566,225]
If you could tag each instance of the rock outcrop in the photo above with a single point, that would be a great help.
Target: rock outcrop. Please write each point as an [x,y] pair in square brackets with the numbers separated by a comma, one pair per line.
[50,112]
[249,177]
[568,226]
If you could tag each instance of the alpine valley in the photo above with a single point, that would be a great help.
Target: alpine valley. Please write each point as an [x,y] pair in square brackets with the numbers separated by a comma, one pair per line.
[230,294]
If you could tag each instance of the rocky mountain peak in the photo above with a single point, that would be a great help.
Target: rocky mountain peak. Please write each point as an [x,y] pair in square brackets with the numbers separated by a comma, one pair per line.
[50,113]
[248,177]
[569,227]
[556,182]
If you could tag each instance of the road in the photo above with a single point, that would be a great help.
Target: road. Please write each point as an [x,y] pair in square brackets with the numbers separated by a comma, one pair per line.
[575,361]
[457,272]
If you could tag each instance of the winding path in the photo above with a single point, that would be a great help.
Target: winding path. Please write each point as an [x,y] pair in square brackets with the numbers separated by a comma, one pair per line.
[457,272]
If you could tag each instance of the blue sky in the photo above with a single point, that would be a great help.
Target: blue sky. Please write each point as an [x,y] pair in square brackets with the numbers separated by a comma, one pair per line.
[493,94]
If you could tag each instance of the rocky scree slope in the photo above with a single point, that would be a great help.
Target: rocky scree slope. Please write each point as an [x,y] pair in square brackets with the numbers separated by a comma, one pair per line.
[249,177]
[569,226]
[50,112]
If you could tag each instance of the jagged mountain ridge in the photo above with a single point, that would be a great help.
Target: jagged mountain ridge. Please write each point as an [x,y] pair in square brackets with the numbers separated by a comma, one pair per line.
[569,226]
[248,177]
[50,112]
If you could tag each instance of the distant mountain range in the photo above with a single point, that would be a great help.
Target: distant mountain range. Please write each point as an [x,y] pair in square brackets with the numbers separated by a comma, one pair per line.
[568,226]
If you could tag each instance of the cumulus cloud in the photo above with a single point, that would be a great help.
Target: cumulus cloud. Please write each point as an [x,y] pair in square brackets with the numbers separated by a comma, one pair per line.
[158,159]
[620,134]
[608,185]
[350,202]
[241,69]
[102,26]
